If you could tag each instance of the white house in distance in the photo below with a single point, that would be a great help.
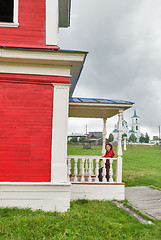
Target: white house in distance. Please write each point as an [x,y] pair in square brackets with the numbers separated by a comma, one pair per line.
[75,135]
[37,81]
[135,128]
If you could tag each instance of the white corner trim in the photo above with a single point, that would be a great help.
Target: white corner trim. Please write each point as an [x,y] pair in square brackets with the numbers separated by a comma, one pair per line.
[51,22]
[59,133]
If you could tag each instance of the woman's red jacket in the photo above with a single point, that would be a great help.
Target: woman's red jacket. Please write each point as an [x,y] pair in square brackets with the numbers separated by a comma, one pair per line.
[109,154]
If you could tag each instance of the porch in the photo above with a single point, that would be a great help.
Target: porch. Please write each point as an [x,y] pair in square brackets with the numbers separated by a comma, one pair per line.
[83,171]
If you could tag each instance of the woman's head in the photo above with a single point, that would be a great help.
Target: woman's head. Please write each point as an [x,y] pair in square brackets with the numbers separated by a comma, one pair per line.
[108,146]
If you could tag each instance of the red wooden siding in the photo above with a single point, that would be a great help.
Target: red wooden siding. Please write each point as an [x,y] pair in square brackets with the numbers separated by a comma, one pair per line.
[34,78]
[25,132]
[31,32]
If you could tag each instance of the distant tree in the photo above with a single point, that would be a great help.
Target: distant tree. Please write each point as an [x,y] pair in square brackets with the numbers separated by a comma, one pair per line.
[147,138]
[111,137]
[73,139]
[142,138]
[132,138]
[81,139]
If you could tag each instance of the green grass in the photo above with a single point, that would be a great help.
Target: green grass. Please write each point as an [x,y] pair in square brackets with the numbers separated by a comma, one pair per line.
[95,220]
[79,150]
[85,220]
[142,166]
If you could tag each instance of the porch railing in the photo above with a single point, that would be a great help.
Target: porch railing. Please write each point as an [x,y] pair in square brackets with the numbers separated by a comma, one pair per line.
[86,168]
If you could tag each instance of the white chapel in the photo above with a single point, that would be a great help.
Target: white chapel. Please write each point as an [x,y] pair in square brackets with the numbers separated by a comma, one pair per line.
[135,128]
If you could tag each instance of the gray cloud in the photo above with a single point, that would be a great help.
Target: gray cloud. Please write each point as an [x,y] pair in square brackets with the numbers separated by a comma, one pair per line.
[124,43]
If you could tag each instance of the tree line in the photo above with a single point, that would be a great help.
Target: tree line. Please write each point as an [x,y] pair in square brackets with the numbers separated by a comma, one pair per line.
[143,138]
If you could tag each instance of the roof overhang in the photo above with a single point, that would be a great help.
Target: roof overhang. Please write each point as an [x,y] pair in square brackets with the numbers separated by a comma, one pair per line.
[73,60]
[97,109]
[64,13]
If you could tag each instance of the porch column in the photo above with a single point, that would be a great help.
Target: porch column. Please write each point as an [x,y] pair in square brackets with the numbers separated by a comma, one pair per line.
[104,136]
[59,133]
[119,148]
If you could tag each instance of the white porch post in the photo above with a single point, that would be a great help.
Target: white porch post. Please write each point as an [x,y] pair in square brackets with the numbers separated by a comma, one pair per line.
[119,149]
[104,136]
[59,133]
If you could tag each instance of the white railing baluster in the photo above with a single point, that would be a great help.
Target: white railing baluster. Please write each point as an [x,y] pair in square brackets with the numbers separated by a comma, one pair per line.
[103,170]
[75,169]
[82,170]
[86,167]
[92,167]
[90,170]
[68,168]
[111,171]
[97,170]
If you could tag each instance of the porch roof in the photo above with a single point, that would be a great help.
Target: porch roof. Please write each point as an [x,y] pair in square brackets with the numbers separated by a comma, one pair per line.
[95,107]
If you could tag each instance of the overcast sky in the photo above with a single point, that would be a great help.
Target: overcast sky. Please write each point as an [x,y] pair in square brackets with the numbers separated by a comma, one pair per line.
[123,38]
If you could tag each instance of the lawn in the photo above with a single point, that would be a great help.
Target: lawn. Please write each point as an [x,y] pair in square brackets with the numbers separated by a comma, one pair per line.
[96,220]
[142,166]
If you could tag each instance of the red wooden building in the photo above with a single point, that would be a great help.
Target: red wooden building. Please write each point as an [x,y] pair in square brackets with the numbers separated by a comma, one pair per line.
[35,78]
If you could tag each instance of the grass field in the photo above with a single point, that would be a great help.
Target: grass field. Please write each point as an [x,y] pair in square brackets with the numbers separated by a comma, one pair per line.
[86,220]
[91,220]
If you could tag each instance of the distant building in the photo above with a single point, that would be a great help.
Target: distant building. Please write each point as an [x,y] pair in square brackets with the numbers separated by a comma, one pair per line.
[95,138]
[156,140]
[135,128]
[136,125]
[77,135]
[94,135]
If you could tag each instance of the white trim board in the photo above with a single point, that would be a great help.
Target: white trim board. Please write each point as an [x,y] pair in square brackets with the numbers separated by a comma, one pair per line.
[51,22]
[45,57]
[35,69]
[59,133]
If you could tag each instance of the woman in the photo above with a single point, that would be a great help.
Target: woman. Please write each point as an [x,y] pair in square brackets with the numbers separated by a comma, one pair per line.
[110,154]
